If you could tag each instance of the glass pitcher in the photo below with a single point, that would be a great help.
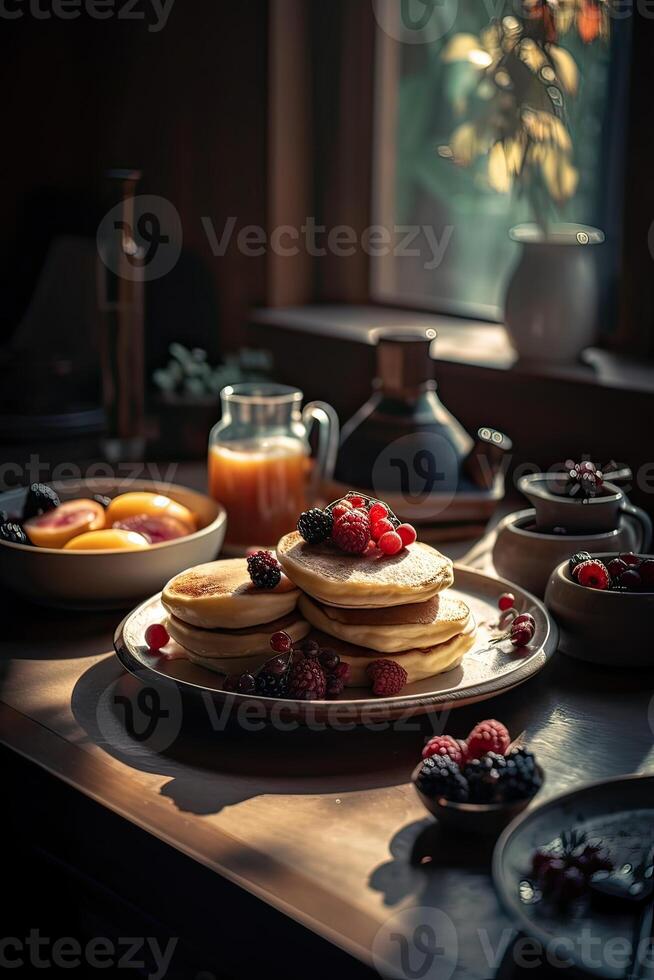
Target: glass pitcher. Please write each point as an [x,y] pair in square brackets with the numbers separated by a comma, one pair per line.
[259,460]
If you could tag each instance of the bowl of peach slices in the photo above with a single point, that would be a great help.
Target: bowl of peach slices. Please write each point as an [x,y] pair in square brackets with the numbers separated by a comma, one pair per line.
[101,542]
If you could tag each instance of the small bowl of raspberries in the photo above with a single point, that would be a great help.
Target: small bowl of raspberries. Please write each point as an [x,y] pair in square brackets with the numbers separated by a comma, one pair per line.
[603,604]
[479,784]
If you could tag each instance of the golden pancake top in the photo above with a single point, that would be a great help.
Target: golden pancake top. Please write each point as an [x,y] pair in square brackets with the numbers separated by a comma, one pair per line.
[220,578]
[373,579]
[441,608]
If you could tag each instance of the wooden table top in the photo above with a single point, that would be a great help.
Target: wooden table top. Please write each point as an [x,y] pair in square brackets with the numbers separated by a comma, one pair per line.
[323,826]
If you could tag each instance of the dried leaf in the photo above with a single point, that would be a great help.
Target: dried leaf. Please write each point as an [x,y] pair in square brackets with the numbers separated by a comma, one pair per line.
[532,55]
[565,67]
[560,176]
[464,144]
[543,127]
[461,47]
[498,172]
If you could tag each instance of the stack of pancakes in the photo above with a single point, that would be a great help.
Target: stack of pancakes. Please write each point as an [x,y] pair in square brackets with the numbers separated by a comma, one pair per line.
[223,621]
[370,607]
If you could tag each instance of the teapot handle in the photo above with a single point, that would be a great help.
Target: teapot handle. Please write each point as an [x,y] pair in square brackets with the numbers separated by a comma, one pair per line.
[327,420]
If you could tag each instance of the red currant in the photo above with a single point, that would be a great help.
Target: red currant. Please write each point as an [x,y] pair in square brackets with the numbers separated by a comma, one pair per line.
[521,637]
[506,601]
[390,543]
[381,527]
[526,619]
[408,534]
[356,501]
[377,513]
[156,636]
[281,642]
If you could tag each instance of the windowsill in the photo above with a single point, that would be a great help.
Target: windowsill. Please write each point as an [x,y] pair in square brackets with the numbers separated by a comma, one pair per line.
[471,342]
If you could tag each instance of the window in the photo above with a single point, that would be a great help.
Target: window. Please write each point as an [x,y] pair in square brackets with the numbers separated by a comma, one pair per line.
[459,223]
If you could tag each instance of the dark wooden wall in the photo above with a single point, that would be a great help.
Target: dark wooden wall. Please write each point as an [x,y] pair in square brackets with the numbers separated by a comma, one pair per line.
[187,105]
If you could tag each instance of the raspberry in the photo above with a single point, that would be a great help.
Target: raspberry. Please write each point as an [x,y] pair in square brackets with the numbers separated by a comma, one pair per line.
[342,507]
[592,574]
[307,681]
[390,543]
[444,745]
[383,526]
[264,570]
[488,736]
[343,671]
[356,501]
[156,636]
[352,532]
[377,513]
[315,525]
[577,559]
[408,534]
[387,678]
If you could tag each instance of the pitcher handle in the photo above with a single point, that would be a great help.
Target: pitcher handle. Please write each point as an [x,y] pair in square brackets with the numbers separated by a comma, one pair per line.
[327,419]
[643,520]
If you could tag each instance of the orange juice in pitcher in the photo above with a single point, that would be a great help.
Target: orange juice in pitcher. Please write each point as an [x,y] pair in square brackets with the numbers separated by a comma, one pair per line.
[259,460]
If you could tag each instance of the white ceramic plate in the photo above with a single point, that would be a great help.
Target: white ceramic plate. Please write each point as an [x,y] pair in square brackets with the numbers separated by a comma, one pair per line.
[484,672]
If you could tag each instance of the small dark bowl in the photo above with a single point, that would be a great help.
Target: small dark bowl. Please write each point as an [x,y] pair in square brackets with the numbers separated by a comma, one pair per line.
[480,819]
[600,626]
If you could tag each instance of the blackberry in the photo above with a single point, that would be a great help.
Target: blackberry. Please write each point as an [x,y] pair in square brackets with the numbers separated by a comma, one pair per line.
[9,531]
[272,679]
[40,498]
[440,776]
[264,570]
[519,779]
[315,525]
[577,559]
[483,777]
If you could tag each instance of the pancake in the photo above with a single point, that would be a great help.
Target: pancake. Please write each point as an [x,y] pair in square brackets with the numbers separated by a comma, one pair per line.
[220,594]
[219,644]
[418,664]
[418,573]
[394,629]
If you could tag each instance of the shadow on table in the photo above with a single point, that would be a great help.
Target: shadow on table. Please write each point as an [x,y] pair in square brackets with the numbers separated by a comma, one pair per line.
[212,763]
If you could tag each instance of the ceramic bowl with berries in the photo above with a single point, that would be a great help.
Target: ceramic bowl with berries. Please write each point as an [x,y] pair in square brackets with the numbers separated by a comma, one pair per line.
[604,604]
[479,784]
[102,543]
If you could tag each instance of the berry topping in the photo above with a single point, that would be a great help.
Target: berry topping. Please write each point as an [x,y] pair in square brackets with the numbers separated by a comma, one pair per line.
[445,745]
[387,678]
[577,559]
[383,526]
[487,736]
[440,776]
[264,570]
[329,660]
[307,681]
[378,512]
[390,543]
[156,636]
[592,574]
[272,679]
[407,533]
[506,601]
[10,531]
[351,532]
[315,525]
[343,672]
[335,686]
[281,642]
[355,500]
[40,498]
[342,507]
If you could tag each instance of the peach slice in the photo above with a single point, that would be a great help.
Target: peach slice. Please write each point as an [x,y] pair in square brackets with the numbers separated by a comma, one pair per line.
[110,539]
[155,529]
[54,528]
[137,503]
